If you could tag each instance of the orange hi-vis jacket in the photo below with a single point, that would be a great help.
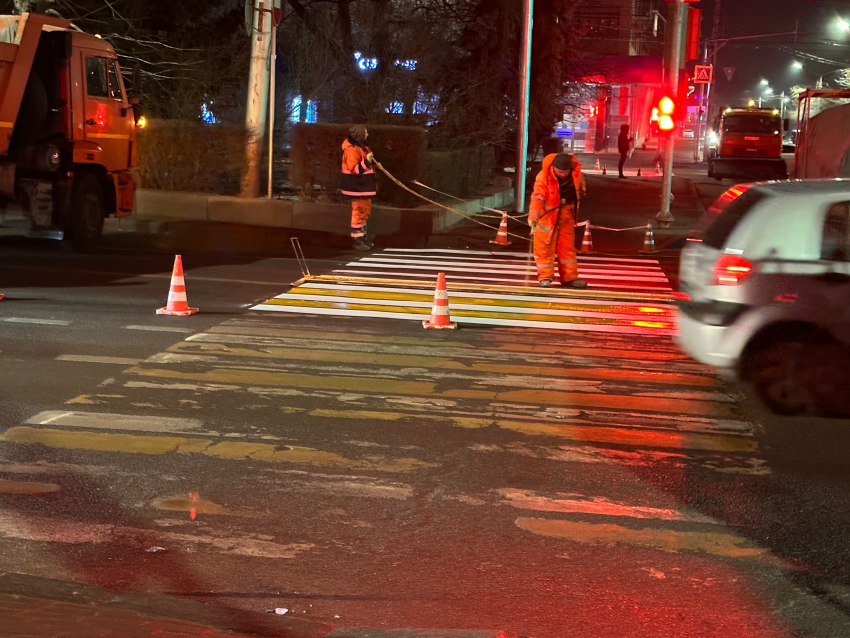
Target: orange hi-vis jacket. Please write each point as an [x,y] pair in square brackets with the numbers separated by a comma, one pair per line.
[358,176]
[546,198]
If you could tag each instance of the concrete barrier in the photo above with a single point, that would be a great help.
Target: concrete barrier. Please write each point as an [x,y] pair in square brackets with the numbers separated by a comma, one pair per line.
[155,208]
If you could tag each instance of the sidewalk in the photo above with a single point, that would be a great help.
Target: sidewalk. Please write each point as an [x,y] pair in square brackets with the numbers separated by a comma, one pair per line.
[33,607]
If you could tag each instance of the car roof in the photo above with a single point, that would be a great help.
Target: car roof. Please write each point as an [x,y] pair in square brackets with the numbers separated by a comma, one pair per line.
[806,187]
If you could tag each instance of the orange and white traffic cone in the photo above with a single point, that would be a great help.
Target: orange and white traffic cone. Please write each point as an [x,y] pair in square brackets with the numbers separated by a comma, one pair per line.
[638,173]
[502,235]
[440,319]
[648,240]
[597,163]
[658,167]
[587,240]
[177,303]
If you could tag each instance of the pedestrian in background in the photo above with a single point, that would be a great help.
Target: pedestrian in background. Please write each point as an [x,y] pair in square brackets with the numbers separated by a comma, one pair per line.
[552,217]
[358,182]
[624,145]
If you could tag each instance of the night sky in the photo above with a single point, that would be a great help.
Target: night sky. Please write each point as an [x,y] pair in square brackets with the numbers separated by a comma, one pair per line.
[771,58]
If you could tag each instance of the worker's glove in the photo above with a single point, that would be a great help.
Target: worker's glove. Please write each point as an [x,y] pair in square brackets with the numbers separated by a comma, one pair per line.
[370,158]
[533,224]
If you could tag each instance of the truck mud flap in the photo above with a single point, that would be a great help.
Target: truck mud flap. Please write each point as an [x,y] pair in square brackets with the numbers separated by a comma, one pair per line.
[750,169]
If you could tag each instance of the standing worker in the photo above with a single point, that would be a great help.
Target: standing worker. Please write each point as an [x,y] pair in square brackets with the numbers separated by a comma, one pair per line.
[624,145]
[358,182]
[552,217]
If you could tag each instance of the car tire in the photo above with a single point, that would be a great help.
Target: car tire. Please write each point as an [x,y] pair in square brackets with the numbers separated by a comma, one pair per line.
[87,213]
[770,368]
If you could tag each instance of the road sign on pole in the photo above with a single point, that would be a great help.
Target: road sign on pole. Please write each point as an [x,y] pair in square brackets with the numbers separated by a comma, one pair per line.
[729,71]
[703,74]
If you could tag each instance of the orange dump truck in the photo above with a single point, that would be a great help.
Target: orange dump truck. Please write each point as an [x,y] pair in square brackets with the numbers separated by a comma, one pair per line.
[748,145]
[67,131]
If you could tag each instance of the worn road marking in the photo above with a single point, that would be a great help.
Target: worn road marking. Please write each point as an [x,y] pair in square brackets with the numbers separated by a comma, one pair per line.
[84,358]
[28,488]
[106,421]
[719,544]
[44,322]
[161,329]
[578,504]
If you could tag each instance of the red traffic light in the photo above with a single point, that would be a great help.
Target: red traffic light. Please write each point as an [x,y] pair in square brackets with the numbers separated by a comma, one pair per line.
[666,113]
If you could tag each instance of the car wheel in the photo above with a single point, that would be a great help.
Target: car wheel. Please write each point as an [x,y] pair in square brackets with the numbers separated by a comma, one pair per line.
[87,213]
[770,368]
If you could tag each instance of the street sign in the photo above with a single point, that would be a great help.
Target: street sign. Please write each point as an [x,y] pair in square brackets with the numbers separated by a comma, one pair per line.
[729,71]
[703,74]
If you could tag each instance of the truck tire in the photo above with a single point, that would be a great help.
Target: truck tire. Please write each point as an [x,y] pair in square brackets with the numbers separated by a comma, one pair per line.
[87,213]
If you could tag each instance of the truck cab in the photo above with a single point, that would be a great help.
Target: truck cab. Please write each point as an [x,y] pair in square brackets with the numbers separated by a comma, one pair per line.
[67,131]
[748,144]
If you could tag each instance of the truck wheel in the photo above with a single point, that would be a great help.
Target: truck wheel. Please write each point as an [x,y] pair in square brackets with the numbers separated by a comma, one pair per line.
[87,213]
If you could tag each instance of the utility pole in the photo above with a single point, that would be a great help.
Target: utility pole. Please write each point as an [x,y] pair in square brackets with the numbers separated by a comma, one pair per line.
[675,24]
[524,96]
[258,95]
[708,93]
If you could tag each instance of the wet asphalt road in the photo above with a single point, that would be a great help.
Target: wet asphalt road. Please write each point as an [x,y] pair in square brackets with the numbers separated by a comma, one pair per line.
[371,473]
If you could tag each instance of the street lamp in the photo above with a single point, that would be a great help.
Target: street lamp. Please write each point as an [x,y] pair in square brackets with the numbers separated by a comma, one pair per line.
[797,65]
[764,82]
[843,25]
[768,91]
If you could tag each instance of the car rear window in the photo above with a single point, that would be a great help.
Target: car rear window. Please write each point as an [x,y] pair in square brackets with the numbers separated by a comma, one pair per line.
[730,215]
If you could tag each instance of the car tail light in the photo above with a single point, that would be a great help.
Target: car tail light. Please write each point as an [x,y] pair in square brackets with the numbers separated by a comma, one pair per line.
[730,270]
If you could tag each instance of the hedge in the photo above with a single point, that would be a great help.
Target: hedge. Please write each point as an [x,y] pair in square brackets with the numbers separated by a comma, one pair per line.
[316,157]
[461,172]
[190,156]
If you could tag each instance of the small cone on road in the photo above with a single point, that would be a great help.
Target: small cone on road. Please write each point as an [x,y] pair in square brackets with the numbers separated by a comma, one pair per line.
[2,296]
[440,319]
[597,163]
[502,235]
[638,173]
[177,304]
[587,240]
[657,167]
[605,169]
[648,240]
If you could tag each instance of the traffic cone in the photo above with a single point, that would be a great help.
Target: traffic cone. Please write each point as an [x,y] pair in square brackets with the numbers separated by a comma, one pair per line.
[597,163]
[605,170]
[2,296]
[440,319]
[648,240]
[587,240]
[177,303]
[502,235]
[658,167]
[638,173]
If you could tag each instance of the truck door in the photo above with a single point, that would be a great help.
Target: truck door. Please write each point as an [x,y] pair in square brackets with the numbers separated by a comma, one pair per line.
[108,116]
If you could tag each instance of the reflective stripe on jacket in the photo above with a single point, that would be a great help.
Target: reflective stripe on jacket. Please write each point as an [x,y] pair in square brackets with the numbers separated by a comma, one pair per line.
[546,197]
[358,176]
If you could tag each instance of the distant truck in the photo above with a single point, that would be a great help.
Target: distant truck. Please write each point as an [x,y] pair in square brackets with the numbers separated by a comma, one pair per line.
[67,131]
[747,145]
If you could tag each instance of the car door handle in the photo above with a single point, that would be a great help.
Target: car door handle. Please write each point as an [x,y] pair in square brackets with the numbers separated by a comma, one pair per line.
[91,122]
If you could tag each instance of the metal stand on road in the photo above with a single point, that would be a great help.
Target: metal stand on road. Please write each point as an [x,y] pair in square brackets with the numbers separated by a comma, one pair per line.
[299,256]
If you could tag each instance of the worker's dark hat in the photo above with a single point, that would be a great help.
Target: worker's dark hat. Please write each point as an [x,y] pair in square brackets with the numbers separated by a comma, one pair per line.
[563,161]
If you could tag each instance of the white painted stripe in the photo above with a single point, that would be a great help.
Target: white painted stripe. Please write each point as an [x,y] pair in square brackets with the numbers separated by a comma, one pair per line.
[44,322]
[177,296]
[510,281]
[482,321]
[83,358]
[160,328]
[496,254]
[651,266]
[482,295]
[106,421]
[477,308]
[517,266]
[631,275]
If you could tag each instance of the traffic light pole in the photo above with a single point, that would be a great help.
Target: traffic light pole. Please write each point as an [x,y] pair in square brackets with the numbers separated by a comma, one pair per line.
[524,95]
[674,63]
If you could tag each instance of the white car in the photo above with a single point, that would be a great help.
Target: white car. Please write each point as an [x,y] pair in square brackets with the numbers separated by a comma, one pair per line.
[765,292]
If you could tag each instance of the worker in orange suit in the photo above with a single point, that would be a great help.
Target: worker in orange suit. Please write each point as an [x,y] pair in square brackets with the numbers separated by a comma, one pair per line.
[552,217]
[358,182]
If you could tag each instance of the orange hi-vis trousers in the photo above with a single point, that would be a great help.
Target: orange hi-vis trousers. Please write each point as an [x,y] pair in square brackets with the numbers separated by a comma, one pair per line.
[556,242]
[361,208]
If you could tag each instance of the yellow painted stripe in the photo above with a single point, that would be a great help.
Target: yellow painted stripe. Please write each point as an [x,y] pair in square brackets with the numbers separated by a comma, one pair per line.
[233,450]
[716,543]
[375,415]
[371,385]
[665,325]
[484,303]
[108,136]
[417,361]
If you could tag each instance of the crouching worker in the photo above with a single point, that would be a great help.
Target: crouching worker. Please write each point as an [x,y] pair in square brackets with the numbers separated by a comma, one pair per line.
[358,182]
[552,217]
